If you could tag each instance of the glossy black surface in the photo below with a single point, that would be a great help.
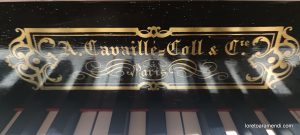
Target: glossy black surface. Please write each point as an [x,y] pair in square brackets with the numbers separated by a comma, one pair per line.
[14,92]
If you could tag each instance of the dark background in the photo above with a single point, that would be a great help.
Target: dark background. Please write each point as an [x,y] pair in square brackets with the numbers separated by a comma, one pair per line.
[145,14]
[142,15]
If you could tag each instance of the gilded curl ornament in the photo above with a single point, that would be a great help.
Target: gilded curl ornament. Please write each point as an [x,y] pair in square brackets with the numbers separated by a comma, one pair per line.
[153,32]
[32,65]
[276,63]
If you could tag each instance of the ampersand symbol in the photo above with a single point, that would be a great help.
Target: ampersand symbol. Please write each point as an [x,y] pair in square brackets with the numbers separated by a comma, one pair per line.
[213,51]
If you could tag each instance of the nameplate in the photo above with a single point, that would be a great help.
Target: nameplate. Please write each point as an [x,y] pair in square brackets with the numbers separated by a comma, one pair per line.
[153,58]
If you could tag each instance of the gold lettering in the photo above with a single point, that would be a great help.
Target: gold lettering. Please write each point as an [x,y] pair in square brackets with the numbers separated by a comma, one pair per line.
[140,43]
[90,48]
[67,47]
[213,50]
[125,50]
[194,47]
[230,47]
[144,73]
[200,47]
[161,52]
[185,50]
[143,48]
[172,47]
[104,50]
[152,50]
[146,47]
[133,50]
[114,50]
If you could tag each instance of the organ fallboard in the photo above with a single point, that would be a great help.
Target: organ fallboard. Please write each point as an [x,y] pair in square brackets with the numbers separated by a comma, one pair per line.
[149,68]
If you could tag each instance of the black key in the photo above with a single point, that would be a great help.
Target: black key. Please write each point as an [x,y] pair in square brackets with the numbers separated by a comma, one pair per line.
[208,115]
[203,123]
[7,113]
[65,122]
[68,115]
[212,119]
[120,116]
[156,120]
[119,122]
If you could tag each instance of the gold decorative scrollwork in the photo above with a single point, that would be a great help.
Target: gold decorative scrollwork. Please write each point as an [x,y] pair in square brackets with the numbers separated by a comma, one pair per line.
[30,64]
[151,70]
[188,68]
[275,63]
[114,68]
[153,32]
[152,85]
[273,59]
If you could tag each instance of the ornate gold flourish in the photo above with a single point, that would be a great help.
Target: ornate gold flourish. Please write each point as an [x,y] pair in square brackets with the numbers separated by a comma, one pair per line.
[114,68]
[31,65]
[179,68]
[152,85]
[34,63]
[275,63]
[188,68]
[154,32]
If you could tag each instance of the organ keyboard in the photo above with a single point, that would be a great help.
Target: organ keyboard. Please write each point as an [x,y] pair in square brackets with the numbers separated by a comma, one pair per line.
[136,121]
[98,122]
